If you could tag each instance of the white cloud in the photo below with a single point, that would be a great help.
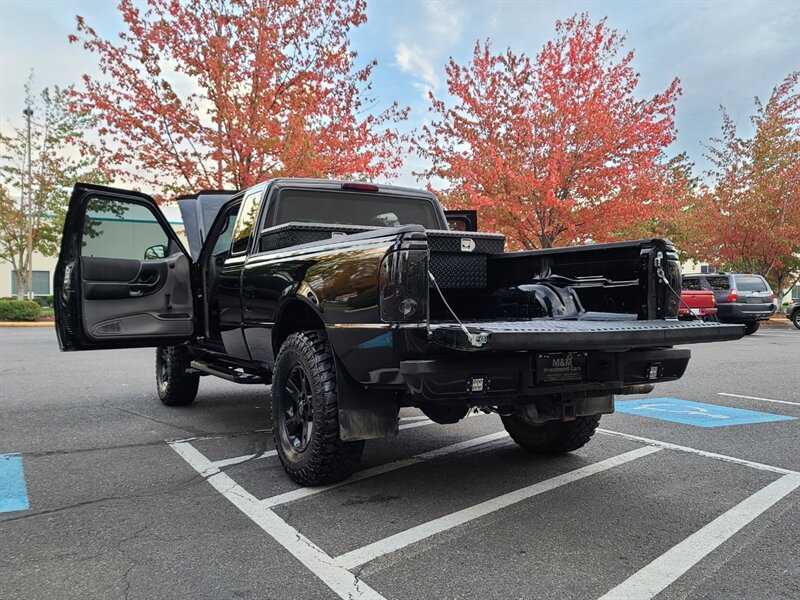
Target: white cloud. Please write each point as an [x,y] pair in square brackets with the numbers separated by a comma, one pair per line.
[440,31]
[413,60]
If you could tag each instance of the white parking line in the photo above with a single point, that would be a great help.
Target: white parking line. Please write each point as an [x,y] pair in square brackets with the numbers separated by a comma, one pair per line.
[705,453]
[341,581]
[405,538]
[757,398]
[384,468]
[229,462]
[663,571]
[422,420]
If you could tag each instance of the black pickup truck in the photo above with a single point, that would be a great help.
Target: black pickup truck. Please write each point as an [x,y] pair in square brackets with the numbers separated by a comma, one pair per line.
[354,300]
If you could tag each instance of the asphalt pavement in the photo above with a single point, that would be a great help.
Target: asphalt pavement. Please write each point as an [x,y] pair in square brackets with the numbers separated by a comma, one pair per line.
[120,497]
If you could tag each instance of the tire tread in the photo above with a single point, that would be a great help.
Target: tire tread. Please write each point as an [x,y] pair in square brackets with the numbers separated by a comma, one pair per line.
[332,459]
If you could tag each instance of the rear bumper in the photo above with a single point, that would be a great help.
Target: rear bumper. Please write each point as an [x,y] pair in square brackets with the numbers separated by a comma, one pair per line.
[511,379]
[737,312]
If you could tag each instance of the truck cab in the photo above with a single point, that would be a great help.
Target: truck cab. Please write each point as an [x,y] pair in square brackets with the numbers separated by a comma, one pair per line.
[354,299]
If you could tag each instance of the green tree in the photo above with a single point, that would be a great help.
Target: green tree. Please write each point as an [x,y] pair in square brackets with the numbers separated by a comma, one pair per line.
[40,205]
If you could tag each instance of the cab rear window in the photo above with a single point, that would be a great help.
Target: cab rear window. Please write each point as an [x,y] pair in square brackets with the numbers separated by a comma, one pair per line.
[692,284]
[750,283]
[315,206]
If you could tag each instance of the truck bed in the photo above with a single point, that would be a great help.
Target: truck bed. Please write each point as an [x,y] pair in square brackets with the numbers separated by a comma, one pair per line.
[572,335]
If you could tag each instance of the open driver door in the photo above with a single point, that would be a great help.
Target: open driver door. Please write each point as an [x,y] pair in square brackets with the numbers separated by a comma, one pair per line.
[123,278]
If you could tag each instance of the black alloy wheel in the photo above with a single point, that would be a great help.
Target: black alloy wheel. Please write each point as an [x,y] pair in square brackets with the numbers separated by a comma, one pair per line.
[297,404]
[305,412]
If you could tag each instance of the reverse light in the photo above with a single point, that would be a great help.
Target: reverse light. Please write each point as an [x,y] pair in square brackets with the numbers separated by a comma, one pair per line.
[733,296]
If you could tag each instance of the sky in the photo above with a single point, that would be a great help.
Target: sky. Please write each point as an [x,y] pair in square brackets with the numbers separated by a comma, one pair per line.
[724,52]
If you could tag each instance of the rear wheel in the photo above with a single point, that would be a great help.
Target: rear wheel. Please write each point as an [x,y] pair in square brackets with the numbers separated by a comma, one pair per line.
[796,319]
[305,413]
[175,387]
[551,437]
[711,319]
[751,327]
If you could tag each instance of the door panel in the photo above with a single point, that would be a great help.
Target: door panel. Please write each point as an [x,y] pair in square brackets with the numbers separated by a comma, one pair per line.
[155,301]
[123,278]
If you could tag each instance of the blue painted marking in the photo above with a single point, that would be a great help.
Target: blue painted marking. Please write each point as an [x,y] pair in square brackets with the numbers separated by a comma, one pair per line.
[695,413]
[382,341]
[13,493]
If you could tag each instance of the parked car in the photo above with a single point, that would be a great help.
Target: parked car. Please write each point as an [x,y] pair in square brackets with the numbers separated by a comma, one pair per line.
[741,297]
[793,312]
[355,300]
[697,303]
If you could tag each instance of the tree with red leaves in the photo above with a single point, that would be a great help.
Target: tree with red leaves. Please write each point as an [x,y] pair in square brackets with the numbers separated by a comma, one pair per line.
[226,93]
[557,150]
[751,213]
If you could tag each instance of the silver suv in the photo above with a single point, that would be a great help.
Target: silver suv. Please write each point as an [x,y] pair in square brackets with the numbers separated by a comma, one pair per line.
[741,297]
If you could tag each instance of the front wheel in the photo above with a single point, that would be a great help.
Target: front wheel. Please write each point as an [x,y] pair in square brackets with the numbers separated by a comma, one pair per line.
[175,387]
[305,413]
[751,327]
[551,437]
[796,319]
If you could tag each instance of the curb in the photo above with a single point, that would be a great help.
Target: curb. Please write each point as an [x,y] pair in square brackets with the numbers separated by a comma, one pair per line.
[27,323]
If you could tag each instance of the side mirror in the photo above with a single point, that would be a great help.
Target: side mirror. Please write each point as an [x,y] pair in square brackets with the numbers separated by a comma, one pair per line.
[462,220]
[155,252]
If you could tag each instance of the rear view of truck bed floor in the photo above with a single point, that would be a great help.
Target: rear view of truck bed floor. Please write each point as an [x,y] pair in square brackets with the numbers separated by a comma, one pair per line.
[553,334]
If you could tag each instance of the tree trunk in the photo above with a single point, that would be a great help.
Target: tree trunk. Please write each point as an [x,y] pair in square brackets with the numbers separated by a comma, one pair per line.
[20,274]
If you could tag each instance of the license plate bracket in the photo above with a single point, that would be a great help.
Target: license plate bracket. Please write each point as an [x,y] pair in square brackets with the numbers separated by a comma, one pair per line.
[561,367]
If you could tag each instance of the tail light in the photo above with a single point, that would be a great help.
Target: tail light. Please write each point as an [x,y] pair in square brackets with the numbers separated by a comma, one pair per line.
[733,296]
[772,296]
[404,286]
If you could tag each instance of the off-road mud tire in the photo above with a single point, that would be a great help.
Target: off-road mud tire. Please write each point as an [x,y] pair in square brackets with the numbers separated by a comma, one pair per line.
[551,437]
[326,458]
[175,387]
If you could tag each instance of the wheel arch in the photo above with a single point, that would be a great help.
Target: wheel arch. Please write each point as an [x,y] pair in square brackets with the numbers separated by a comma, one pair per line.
[295,315]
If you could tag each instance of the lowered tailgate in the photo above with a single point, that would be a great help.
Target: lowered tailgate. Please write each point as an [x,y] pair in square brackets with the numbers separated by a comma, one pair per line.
[552,334]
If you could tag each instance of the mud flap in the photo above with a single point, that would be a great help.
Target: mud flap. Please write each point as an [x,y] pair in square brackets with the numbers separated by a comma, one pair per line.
[365,413]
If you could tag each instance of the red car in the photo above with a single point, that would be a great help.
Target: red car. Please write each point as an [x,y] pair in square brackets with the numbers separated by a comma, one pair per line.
[696,303]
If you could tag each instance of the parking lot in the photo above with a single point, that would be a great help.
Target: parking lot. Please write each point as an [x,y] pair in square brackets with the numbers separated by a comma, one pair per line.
[126,498]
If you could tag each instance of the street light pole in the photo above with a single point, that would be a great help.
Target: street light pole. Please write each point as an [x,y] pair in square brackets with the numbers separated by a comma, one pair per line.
[28,112]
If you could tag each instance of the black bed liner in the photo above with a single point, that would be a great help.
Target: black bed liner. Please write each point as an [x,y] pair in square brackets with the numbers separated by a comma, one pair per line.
[554,335]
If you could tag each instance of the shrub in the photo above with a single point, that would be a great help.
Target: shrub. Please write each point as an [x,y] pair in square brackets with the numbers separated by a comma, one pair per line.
[41,301]
[19,310]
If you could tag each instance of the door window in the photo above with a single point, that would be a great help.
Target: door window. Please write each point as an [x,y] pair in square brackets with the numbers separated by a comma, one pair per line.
[718,284]
[121,229]
[248,214]
[223,243]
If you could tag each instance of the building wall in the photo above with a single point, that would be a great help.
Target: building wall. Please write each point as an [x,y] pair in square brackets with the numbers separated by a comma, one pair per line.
[116,238]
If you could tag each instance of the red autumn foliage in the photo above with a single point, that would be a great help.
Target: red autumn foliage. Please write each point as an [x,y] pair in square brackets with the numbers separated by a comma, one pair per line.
[226,93]
[750,214]
[556,150]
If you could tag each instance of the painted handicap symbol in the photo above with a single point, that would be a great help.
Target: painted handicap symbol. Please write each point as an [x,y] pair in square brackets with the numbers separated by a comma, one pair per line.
[698,410]
[697,414]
